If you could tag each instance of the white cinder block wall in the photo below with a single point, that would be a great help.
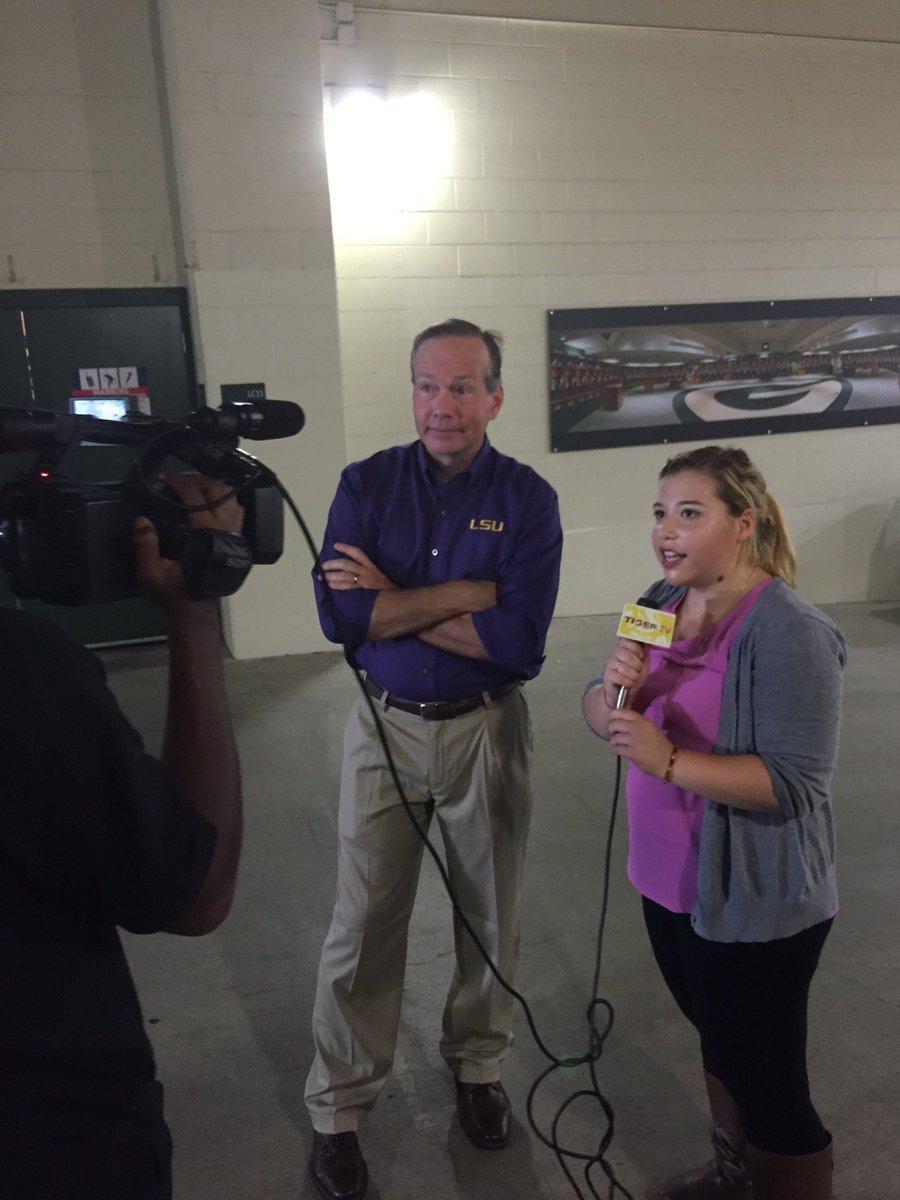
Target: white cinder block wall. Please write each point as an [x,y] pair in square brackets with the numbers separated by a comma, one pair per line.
[244,93]
[599,166]
[84,200]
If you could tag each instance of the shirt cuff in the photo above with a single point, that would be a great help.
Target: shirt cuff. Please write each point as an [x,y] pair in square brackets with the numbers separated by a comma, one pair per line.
[345,616]
[503,634]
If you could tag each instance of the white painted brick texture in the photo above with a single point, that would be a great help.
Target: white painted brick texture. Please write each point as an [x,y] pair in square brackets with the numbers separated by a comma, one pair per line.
[246,97]
[83,191]
[633,166]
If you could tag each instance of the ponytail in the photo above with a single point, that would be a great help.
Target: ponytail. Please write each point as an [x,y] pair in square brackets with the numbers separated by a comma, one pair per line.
[772,546]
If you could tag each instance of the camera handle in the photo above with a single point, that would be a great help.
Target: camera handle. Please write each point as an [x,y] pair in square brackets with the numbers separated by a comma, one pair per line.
[215,563]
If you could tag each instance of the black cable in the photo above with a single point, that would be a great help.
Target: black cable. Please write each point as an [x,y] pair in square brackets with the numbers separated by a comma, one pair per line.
[596,1039]
[597,1035]
[168,443]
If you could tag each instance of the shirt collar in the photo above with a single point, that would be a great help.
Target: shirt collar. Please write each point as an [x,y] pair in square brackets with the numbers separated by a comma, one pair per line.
[476,467]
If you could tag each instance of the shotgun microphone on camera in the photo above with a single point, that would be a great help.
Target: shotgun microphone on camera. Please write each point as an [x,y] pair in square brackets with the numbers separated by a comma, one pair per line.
[257,420]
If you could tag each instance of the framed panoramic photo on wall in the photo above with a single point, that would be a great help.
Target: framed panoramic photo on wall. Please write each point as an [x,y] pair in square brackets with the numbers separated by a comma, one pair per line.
[694,372]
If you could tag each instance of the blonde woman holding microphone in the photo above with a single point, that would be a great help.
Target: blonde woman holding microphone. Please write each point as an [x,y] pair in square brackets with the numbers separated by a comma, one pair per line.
[732,738]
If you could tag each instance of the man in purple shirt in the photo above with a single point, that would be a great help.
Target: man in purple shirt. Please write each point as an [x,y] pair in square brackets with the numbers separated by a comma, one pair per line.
[441,562]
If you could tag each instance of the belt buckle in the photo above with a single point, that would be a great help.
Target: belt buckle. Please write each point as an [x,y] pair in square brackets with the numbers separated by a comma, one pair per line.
[429,710]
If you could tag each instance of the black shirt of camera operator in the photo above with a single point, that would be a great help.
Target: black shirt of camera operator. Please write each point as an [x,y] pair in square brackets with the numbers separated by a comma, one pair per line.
[93,835]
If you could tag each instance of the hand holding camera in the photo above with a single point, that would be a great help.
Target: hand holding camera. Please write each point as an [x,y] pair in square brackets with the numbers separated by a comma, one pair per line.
[162,578]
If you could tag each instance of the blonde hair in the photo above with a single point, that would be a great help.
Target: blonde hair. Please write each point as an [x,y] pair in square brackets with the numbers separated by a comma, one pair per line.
[740,485]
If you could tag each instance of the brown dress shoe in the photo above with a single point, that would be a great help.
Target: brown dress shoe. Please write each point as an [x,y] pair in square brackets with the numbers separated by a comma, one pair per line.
[483,1111]
[337,1166]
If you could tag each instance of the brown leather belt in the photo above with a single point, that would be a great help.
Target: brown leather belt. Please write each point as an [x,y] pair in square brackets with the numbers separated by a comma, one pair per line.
[439,710]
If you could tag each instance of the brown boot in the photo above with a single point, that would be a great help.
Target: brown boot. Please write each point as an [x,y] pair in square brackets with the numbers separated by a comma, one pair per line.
[727,1177]
[791,1176]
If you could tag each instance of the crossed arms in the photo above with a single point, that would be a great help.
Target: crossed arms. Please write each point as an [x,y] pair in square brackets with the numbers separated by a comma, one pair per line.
[502,621]
[440,614]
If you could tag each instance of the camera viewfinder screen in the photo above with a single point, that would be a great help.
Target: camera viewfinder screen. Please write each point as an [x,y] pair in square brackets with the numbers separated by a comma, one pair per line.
[107,408]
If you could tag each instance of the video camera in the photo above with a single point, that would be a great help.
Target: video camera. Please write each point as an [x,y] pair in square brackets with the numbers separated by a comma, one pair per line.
[66,541]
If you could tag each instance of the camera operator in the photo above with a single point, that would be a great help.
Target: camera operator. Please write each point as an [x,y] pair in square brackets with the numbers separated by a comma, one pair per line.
[94,834]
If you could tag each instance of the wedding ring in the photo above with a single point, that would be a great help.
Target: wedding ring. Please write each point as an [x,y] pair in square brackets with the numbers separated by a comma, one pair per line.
[356,579]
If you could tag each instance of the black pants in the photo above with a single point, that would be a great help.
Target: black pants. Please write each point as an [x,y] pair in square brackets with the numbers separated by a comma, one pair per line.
[72,1135]
[748,1002]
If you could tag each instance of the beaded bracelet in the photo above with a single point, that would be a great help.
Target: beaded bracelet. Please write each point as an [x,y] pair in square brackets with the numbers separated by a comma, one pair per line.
[667,778]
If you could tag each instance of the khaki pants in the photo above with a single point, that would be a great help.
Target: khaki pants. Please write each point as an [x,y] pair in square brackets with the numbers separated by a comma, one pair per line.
[472,774]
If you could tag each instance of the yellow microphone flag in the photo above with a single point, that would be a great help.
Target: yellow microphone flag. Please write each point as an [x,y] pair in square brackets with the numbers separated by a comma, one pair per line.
[648,625]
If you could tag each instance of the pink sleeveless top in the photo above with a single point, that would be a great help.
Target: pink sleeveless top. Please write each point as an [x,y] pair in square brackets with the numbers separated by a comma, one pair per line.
[683,697]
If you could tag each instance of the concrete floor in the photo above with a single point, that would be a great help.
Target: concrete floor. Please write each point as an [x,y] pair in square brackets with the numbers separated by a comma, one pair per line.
[229,1014]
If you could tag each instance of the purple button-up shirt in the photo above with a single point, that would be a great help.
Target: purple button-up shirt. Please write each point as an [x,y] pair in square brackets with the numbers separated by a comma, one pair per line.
[499,520]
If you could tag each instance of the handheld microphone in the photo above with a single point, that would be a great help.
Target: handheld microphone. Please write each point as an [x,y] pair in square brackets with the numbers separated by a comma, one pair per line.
[37,429]
[651,626]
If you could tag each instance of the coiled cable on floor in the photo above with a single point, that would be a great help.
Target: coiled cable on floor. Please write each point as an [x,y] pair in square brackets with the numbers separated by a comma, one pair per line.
[598,1031]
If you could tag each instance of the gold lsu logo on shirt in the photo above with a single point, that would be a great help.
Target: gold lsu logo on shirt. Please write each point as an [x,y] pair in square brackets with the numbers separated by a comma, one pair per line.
[486,525]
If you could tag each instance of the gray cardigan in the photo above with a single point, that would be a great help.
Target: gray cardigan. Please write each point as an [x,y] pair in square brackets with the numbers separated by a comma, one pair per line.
[766,875]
